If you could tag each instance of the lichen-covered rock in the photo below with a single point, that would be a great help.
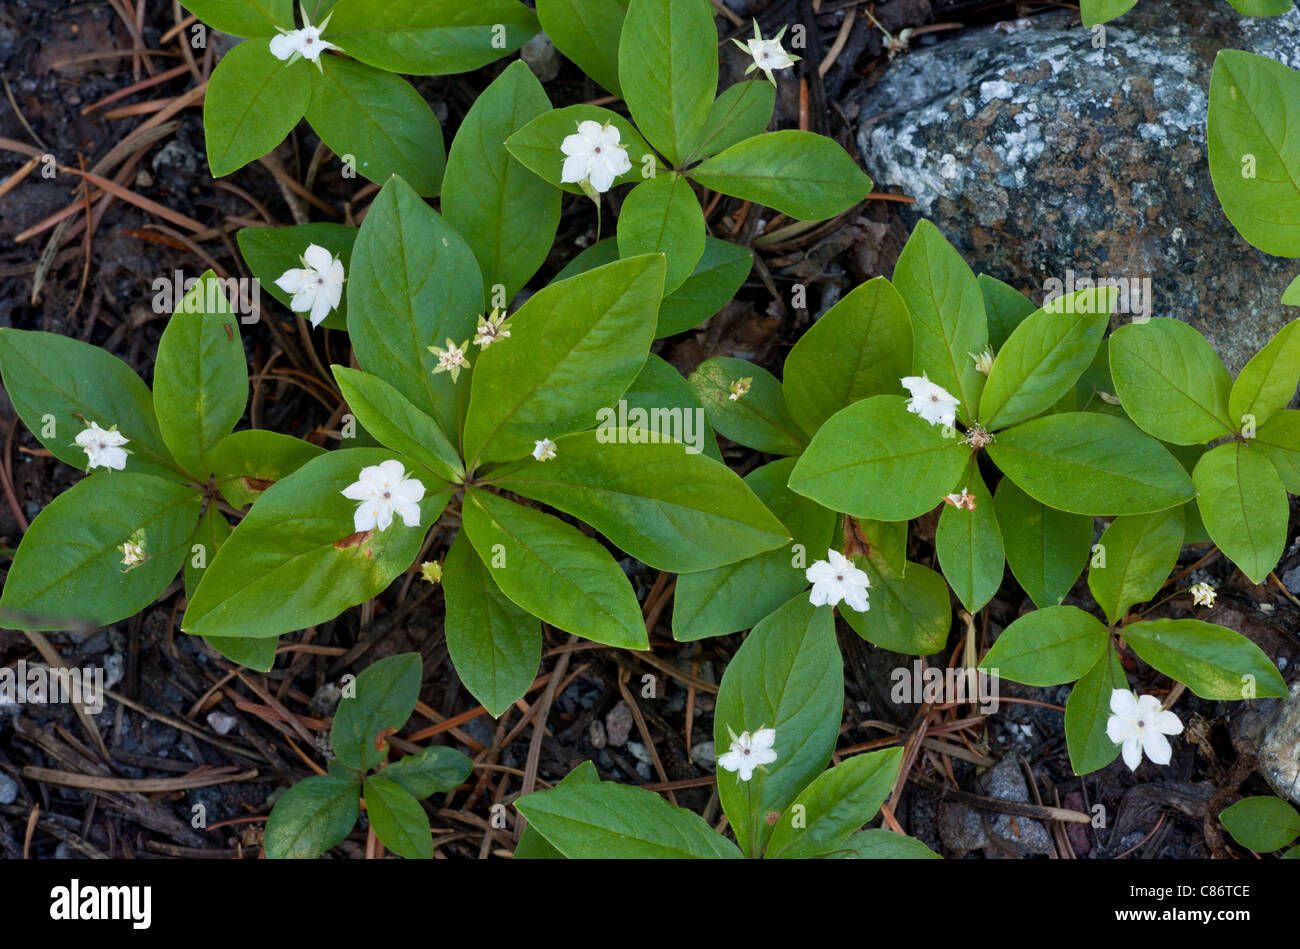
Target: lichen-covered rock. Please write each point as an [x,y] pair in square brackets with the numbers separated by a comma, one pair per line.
[1037,153]
[1279,748]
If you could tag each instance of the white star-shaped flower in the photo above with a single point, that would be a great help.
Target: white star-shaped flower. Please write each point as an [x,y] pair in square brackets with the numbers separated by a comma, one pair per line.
[103,447]
[544,450]
[594,156]
[768,54]
[1138,723]
[490,329]
[384,490]
[317,287]
[932,402]
[452,359]
[749,752]
[1202,595]
[835,579]
[305,42]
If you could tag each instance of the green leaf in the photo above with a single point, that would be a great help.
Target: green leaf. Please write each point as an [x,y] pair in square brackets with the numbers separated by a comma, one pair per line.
[200,379]
[380,120]
[574,348]
[414,284]
[714,281]
[495,646]
[246,463]
[661,387]
[430,37]
[295,559]
[969,546]
[270,251]
[1212,661]
[253,101]
[256,654]
[69,564]
[614,821]
[506,214]
[1005,308]
[311,817]
[668,70]
[554,571]
[1087,711]
[788,676]
[884,845]
[1044,357]
[1291,295]
[597,255]
[209,535]
[662,216]
[741,112]
[877,460]
[949,327]
[1048,548]
[1136,556]
[1099,11]
[911,612]
[1244,506]
[383,697]
[667,507]
[537,144]
[1278,440]
[244,17]
[1086,463]
[806,176]
[1262,7]
[532,845]
[1262,824]
[1254,163]
[1268,382]
[836,804]
[58,385]
[758,417]
[738,595]
[398,424]
[1170,381]
[587,32]
[398,819]
[1048,647]
[858,348]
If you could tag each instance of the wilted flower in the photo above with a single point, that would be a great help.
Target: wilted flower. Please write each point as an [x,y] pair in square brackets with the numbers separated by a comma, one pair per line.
[983,360]
[132,554]
[452,359]
[544,450]
[1202,594]
[431,570]
[965,500]
[740,387]
[490,329]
